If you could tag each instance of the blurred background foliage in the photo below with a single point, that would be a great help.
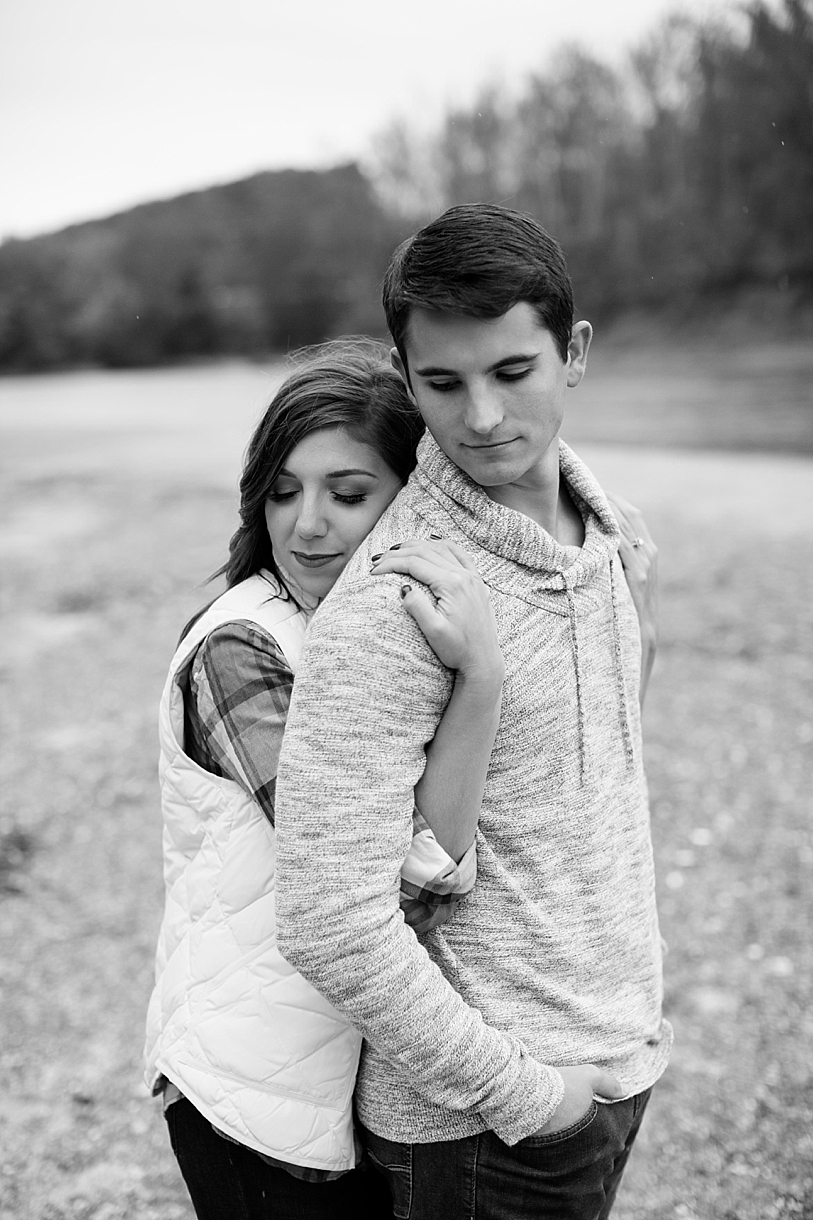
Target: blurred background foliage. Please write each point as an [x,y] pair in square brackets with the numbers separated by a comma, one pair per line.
[276,260]
[678,183]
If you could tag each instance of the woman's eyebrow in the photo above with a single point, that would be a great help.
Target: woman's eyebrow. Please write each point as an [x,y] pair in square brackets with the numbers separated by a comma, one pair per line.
[341,474]
[333,474]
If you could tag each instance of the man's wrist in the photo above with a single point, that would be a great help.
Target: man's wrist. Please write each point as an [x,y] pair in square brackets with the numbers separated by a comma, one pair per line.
[531,1107]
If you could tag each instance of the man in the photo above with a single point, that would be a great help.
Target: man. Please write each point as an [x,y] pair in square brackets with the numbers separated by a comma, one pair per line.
[488,1042]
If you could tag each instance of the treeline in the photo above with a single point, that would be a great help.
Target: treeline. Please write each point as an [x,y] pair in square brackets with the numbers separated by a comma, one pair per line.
[265,264]
[688,175]
[674,183]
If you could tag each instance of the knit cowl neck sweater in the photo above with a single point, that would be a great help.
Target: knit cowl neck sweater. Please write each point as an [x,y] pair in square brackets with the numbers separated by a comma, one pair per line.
[548,571]
[555,956]
[508,533]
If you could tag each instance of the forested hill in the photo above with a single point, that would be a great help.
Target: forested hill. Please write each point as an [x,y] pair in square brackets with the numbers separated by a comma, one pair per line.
[680,182]
[264,264]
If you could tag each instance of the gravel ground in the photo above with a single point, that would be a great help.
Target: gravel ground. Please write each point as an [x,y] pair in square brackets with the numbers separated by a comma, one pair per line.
[106,531]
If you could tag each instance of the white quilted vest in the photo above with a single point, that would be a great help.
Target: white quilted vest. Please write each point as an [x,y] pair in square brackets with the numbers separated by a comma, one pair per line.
[244,1037]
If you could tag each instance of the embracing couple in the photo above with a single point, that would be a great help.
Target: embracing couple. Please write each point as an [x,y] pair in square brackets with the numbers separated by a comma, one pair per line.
[410,961]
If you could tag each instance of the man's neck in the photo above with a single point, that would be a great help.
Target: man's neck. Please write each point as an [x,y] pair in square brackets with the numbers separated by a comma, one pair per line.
[544,497]
[540,503]
[541,495]
[556,514]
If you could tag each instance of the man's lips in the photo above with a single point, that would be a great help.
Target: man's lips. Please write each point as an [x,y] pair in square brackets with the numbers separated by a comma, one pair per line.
[491,444]
[314,560]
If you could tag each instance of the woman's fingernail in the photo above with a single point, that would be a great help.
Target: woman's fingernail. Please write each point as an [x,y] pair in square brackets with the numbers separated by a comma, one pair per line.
[375,558]
[405,589]
[437,537]
[395,546]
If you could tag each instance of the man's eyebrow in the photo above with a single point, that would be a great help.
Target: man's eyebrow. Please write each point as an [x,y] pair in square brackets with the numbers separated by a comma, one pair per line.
[519,358]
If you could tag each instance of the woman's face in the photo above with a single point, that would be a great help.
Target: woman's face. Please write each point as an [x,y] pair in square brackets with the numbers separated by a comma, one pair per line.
[326,499]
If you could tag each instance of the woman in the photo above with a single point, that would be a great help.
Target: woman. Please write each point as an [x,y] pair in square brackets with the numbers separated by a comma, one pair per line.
[256,1068]
[240,1045]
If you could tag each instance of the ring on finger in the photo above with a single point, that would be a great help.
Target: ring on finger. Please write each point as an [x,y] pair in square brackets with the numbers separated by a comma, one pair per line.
[637,542]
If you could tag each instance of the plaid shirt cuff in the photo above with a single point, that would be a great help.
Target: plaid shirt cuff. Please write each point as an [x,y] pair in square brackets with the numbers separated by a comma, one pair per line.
[432,884]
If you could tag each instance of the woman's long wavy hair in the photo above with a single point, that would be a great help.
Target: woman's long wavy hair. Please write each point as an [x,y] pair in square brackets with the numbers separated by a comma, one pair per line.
[347,384]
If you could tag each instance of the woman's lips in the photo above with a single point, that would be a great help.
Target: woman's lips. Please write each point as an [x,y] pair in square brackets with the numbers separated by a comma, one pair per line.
[313,561]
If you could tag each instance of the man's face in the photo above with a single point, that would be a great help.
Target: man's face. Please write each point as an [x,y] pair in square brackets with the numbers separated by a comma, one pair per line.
[491,391]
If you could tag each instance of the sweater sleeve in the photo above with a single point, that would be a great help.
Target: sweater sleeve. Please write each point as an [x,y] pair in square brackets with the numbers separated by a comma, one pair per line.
[368,696]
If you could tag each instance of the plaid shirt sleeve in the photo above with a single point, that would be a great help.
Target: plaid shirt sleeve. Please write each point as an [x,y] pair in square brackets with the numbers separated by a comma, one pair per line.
[239,693]
[432,885]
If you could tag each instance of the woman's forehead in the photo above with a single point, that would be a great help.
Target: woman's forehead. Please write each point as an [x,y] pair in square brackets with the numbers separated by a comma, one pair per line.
[332,451]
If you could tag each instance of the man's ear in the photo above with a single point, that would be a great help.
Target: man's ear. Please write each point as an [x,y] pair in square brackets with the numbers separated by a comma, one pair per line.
[577,350]
[402,371]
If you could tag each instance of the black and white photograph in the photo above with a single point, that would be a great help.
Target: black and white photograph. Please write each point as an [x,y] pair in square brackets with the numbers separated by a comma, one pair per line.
[406,610]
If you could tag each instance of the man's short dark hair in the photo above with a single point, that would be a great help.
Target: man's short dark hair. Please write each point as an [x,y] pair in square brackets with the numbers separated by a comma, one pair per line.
[479,260]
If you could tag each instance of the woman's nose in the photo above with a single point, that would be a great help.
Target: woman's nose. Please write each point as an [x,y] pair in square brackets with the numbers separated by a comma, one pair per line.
[310,522]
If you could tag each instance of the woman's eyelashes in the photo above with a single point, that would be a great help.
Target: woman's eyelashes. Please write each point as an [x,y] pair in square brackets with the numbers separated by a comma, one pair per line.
[350,497]
[340,497]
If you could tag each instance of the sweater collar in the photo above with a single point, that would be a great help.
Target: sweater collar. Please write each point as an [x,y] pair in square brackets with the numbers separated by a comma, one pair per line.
[510,534]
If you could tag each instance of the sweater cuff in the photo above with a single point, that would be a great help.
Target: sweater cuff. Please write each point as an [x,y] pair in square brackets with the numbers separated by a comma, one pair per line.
[529,1105]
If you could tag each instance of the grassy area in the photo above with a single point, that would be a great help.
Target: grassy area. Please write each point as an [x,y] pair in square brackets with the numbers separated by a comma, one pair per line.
[107,526]
[721,394]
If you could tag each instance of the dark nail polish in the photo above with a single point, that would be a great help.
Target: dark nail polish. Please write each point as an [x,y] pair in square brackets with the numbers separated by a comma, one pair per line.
[437,537]
[395,546]
[375,558]
[405,589]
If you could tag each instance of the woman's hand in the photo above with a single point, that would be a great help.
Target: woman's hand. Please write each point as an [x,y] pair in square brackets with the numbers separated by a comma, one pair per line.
[639,557]
[460,626]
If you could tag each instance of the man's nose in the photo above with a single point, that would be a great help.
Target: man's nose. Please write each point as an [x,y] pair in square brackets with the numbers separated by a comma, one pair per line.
[484,410]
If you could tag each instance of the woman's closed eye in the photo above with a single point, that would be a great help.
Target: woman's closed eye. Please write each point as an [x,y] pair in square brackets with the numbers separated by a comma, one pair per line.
[279,495]
[346,497]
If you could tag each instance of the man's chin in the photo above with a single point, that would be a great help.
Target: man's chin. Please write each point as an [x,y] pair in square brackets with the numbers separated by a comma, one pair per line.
[518,463]
[493,472]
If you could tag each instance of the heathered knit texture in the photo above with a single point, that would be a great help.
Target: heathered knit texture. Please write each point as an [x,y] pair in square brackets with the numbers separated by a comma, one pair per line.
[555,958]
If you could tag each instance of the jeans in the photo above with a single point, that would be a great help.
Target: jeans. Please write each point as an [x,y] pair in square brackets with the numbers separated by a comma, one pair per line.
[570,1175]
[227,1181]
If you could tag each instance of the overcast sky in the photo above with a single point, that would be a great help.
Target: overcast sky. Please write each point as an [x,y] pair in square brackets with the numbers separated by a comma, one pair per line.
[107,103]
